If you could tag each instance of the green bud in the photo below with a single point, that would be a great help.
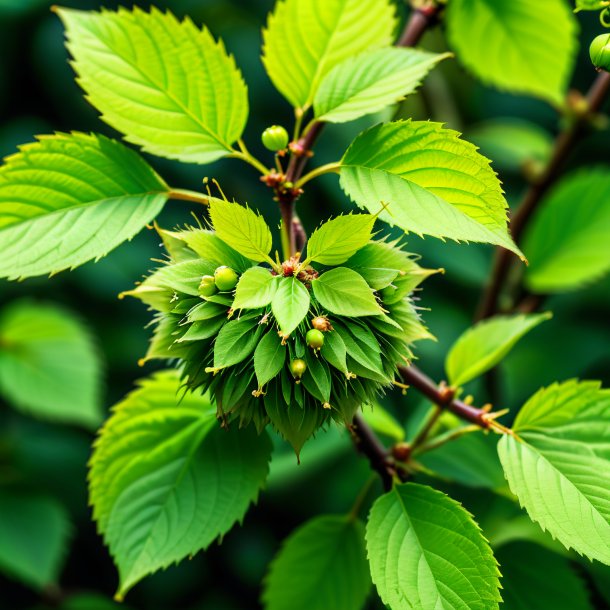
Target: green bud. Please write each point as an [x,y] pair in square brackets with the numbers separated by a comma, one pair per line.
[314,338]
[275,138]
[298,368]
[225,279]
[600,52]
[207,286]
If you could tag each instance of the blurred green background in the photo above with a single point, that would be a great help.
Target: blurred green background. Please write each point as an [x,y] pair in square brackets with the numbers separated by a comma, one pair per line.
[38,95]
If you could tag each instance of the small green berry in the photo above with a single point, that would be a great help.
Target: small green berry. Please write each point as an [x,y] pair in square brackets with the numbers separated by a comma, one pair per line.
[225,279]
[314,338]
[600,52]
[275,138]
[207,286]
[298,368]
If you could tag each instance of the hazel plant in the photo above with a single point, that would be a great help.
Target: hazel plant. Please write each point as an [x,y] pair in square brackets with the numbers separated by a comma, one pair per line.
[296,338]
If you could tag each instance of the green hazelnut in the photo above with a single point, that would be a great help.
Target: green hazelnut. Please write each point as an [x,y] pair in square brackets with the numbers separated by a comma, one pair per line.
[600,52]
[298,368]
[275,138]
[314,338]
[225,278]
[207,286]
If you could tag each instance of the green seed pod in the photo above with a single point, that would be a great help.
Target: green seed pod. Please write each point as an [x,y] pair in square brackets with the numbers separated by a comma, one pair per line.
[314,338]
[298,368]
[600,52]
[225,279]
[275,138]
[207,286]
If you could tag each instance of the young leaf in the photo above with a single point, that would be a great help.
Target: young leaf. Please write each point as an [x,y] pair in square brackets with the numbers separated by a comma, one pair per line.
[132,67]
[242,229]
[426,552]
[334,351]
[314,36]
[568,239]
[166,480]
[316,379]
[269,357]
[256,288]
[362,347]
[290,304]
[558,465]
[340,238]
[342,291]
[431,182]
[49,364]
[486,344]
[514,46]
[534,577]
[71,198]
[322,565]
[371,81]
[35,532]
[383,422]
[236,341]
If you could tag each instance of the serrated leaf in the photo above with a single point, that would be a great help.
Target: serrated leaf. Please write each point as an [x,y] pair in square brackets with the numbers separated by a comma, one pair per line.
[164,83]
[242,229]
[322,565]
[514,46]
[486,344]
[429,180]
[235,342]
[314,36]
[269,358]
[49,364]
[371,81]
[568,238]
[256,288]
[559,464]
[35,532]
[166,480]
[340,238]
[426,551]
[534,577]
[363,349]
[290,304]
[71,198]
[344,292]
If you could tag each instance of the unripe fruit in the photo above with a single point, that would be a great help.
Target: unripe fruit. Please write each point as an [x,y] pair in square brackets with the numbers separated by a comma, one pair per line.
[275,138]
[207,286]
[225,278]
[600,52]
[314,338]
[321,323]
[298,368]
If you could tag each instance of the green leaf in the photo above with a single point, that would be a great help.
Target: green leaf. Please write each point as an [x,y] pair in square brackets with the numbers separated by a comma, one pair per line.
[334,351]
[534,577]
[321,565]
[256,288]
[363,349]
[91,601]
[235,342]
[569,243]
[49,364]
[290,304]
[314,36]
[486,344]
[383,422]
[513,45]
[371,81]
[316,379]
[164,83]
[512,143]
[343,291]
[558,465]
[426,552]
[71,198]
[166,480]
[429,180]
[269,357]
[340,238]
[242,229]
[35,532]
